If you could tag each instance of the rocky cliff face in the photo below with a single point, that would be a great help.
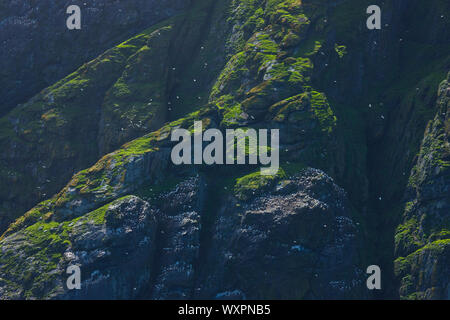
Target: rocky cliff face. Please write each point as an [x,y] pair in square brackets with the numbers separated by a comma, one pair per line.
[422,240]
[295,240]
[105,103]
[350,102]
[37,49]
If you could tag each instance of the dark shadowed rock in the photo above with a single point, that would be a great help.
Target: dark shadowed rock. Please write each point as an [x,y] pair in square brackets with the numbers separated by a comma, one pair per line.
[293,242]
[114,247]
[297,241]
[34,35]
[180,240]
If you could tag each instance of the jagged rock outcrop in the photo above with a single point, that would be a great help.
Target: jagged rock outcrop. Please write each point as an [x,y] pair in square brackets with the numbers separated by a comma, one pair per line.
[181,225]
[423,239]
[297,239]
[114,246]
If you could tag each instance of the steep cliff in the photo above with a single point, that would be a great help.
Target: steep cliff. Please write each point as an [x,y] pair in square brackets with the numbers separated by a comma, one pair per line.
[303,244]
[37,49]
[105,103]
[351,105]
[422,241]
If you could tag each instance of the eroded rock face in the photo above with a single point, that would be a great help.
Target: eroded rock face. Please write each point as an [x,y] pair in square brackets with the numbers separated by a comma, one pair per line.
[307,68]
[34,35]
[296,240]
[117,257]
[123,94]
[423,239]
[114,247]
[180,240]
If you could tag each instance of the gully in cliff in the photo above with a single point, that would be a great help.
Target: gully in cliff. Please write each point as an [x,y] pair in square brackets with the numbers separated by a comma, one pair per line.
[213,153]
